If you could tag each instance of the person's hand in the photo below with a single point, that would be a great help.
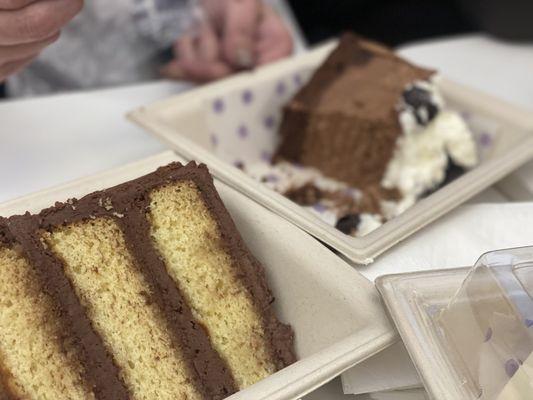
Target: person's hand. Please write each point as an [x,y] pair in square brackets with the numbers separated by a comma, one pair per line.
[236,34]
[27,27]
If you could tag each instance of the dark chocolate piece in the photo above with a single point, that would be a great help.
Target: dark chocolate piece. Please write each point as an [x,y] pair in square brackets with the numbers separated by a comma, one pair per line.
[349,224]
[419,102]
[306,195]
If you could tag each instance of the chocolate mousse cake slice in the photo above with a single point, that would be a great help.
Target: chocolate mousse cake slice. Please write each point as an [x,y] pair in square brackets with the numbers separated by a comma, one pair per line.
[172,304]
[373,134]
[345,122]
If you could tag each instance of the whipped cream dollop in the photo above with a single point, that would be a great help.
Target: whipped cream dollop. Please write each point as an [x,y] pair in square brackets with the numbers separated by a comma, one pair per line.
[432,136]
[368,223]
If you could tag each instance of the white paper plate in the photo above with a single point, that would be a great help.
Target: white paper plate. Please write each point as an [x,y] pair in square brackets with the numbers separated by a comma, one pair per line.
[183,122]
[336,313]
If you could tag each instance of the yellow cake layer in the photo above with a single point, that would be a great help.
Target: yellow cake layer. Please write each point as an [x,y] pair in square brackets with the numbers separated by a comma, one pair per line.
[115,293]
[187,237]
[30,349]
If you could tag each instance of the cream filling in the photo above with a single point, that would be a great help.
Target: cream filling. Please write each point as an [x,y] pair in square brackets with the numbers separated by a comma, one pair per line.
[421,157]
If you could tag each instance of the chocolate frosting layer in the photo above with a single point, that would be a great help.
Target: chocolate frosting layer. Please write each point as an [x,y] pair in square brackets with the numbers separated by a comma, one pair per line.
[6,239]
[6,393]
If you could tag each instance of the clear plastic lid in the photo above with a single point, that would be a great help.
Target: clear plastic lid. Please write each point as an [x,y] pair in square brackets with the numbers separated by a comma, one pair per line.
[488,327]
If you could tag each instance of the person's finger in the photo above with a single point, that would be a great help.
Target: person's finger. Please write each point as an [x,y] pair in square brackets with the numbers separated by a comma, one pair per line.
[186,61]
[15,4]
[197,58]
[239,32]
[199,71]
[196,71]
[37,21]
[184,50]
[208,44]
[22,51]
[211,71]
[13,67]
[172,70]
[275,40]
[273,51]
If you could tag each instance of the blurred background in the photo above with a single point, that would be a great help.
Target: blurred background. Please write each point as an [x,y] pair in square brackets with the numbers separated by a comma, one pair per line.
[396,22]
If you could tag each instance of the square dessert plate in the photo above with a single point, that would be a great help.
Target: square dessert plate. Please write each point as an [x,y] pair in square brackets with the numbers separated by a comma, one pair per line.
[188,124]
[336,313]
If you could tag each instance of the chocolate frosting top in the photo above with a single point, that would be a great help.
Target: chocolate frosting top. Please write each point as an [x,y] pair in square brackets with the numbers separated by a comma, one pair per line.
[361,78]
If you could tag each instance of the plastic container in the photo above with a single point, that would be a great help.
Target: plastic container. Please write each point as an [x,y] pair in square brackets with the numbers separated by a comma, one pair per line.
[206,124]
[336,313]
[469,331]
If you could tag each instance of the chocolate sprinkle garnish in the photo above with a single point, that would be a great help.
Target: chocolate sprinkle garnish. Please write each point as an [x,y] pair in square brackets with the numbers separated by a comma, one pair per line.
[348,224]
[420,100]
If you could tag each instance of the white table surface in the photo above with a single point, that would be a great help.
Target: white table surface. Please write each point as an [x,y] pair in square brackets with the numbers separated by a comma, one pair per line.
[52,140]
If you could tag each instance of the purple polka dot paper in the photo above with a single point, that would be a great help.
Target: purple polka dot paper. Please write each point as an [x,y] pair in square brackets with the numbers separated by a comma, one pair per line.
[490,335]
[244,122]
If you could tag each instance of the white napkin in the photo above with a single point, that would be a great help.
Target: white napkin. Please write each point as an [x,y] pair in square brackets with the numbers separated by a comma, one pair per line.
[519,185]
[456,240]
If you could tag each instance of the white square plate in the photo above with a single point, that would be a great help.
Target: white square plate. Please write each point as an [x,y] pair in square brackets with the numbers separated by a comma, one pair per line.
[183,122]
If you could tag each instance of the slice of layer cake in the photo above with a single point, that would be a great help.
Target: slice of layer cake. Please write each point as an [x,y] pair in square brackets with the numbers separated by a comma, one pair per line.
[374,122]
[178,306]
